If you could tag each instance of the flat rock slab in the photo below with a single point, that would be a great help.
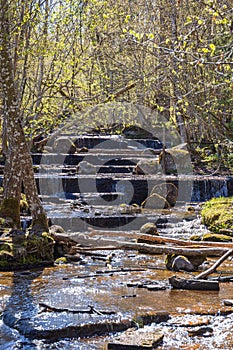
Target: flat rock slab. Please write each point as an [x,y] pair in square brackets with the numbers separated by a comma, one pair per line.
[136,340]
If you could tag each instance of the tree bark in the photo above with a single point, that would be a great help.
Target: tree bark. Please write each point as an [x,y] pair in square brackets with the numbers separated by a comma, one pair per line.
[18,169]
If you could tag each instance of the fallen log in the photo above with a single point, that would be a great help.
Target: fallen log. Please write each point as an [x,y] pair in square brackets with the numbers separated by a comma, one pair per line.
[160,240]
[222,279]
[159,249]
[163,249]
[193,284]
[213,268]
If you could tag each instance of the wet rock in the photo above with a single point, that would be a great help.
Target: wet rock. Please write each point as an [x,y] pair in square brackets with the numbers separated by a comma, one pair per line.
[197,260]
[154,287]
[178,263]
[202,331]
[85,168]
[228,302]
[147,166]
[86,326]
[162,195]
[73,258]
[155,201]
[149,228]
[56,229]
[136,339]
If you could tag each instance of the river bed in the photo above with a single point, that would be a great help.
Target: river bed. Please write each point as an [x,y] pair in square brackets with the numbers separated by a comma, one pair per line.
[114,288]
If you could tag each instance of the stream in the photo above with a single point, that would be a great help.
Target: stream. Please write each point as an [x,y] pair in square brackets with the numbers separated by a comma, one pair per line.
[84,304]
[115,289]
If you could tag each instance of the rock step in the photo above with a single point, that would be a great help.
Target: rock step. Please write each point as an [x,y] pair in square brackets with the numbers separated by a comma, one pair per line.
[93,199]
[80,222]
[95,159]
[108,141]
[71,170]
[135,187]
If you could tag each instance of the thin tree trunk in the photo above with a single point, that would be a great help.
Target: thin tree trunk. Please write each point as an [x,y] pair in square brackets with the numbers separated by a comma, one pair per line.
[18,167]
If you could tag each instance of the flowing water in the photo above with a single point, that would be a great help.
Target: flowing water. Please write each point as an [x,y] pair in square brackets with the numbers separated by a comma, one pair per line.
[66,306]
[114,289]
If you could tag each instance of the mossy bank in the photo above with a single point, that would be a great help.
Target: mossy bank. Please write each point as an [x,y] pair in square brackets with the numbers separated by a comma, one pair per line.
[19,250]
[217,215]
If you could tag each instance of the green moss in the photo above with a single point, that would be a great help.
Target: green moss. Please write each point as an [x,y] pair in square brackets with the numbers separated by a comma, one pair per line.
[214,237]
[196,238]
[6,246]
[32,250]
[61,260]
[217,214]
[23,203]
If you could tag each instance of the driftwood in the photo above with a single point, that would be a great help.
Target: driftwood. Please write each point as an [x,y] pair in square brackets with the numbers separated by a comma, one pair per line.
[90,310]
[212,269]
[222,278]
[108,272]
[163,249]
[160,240]
[159,249]
[198,283]
[193,284]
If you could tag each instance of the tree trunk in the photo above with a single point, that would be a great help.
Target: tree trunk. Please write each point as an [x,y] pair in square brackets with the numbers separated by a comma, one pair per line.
[18,169]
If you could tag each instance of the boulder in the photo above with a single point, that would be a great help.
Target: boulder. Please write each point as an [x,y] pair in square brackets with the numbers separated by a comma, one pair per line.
[149,228]
[85,168]
[178,263]
[147,166]
[64,145]
[176,160]
[162,196]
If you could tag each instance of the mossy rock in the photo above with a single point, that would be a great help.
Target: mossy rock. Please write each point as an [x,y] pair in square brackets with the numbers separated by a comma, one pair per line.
[19,251]
[196,238]
[60,261]
[217,214]
[214,237]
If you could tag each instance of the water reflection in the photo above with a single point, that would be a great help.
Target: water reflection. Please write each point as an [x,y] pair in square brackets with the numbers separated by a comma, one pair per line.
[18,310]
